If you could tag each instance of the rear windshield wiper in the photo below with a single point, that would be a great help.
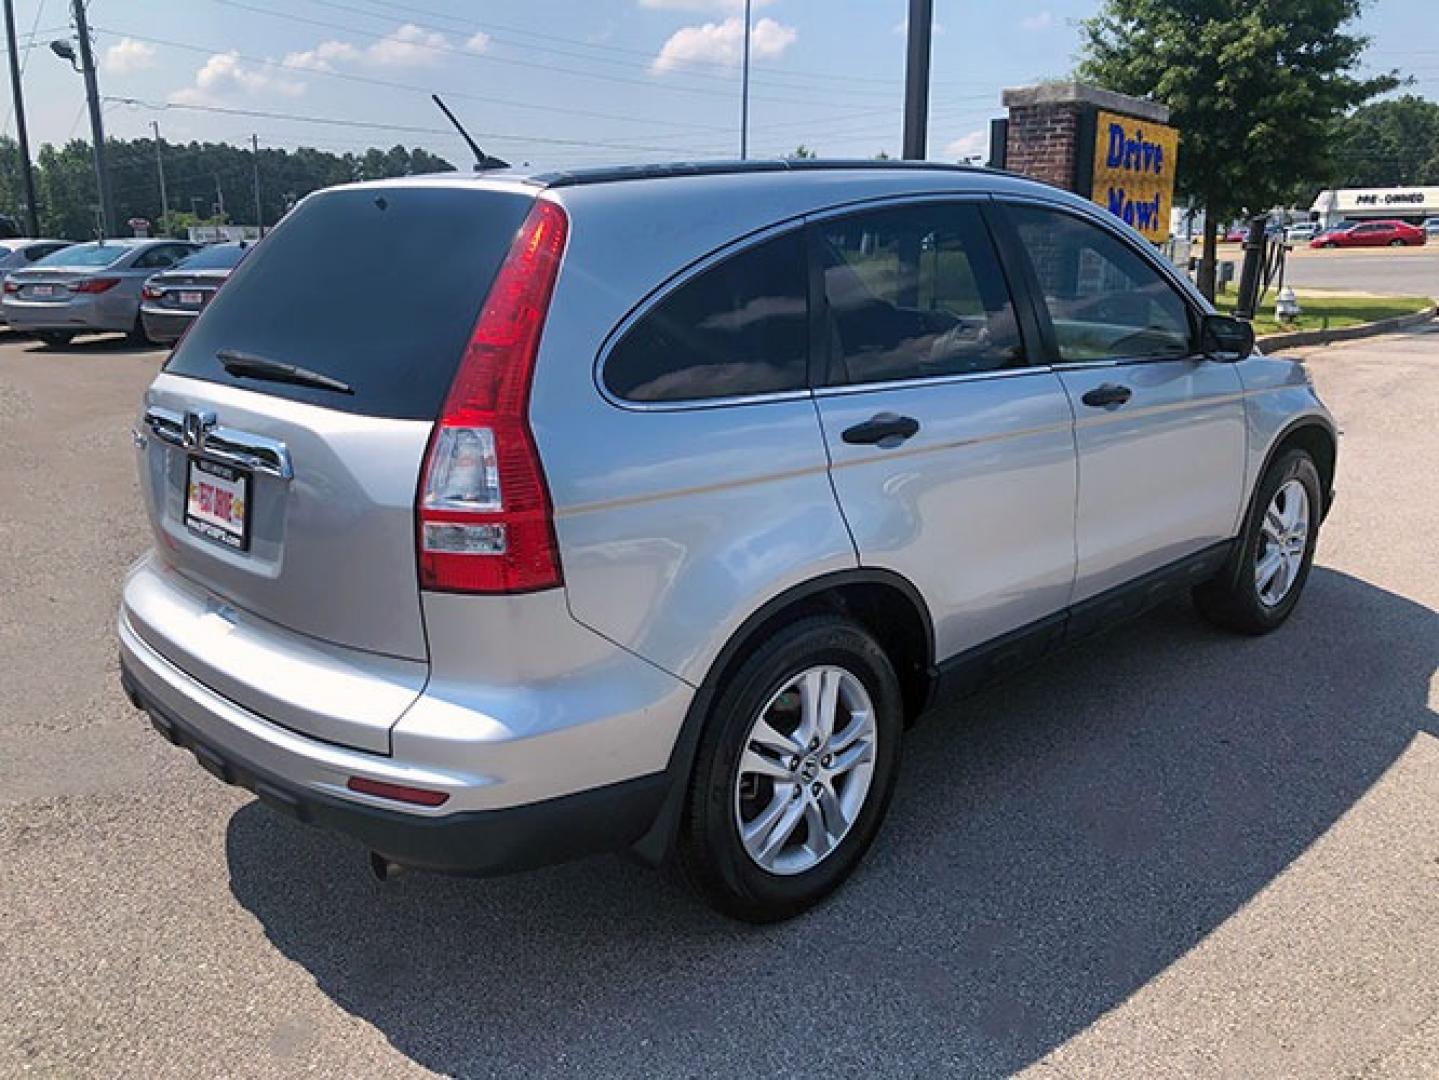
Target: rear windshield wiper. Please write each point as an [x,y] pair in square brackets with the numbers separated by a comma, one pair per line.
[261,367]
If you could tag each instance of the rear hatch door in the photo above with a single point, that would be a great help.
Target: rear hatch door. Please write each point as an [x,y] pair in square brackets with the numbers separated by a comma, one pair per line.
[293,499]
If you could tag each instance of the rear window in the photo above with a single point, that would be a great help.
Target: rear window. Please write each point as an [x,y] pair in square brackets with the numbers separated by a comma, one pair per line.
[219,257]
[376,287]
[86,255]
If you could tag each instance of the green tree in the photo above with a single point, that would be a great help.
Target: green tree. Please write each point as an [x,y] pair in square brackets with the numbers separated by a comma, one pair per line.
[1391,143]
[801,153]
[1254,87]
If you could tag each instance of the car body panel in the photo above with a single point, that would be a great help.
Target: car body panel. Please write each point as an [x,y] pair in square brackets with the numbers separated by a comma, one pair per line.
[940,508]
[116,309]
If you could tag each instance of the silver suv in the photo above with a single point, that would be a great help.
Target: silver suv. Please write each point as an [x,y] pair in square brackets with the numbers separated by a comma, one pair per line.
[505,518]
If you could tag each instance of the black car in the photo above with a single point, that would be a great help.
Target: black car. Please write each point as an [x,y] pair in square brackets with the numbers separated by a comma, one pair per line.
[171,300]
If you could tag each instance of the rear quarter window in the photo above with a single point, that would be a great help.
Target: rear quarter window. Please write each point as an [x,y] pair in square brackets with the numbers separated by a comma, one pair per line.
[377,287]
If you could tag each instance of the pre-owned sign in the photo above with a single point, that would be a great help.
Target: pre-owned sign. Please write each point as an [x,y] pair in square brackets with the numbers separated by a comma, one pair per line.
[1133,172]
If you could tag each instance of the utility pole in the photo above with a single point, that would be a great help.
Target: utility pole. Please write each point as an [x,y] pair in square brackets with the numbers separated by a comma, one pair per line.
[97,127]
[916,78]
[219,200]
[744,89]
[160,167]
[27,174]
[255,161]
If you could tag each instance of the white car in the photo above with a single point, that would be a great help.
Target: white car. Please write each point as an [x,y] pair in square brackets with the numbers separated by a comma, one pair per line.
[1301,232]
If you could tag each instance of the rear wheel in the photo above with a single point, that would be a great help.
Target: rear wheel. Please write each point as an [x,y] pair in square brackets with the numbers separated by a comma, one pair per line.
[1396,242]
[795,771]
[56,339]
[1260,584]
[1331,244]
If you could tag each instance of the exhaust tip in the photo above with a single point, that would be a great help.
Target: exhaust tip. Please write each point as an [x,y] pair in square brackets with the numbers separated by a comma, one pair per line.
[383,868]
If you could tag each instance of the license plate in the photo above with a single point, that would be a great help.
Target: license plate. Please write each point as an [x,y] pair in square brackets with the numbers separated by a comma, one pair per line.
[217,503]
[192,299]
[42,290]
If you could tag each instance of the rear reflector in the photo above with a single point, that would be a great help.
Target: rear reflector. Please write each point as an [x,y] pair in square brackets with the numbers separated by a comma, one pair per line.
[397,792]
[484,510]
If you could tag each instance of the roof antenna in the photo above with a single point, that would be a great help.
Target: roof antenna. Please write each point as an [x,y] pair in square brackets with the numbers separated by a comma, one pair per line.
[483,160]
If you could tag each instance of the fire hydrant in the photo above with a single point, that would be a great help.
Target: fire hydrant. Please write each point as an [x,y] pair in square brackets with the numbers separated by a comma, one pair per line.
[1286,305]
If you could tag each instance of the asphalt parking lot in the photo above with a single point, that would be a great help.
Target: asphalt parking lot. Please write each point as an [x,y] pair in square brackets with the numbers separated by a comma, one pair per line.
[1397,271]
[1170,852]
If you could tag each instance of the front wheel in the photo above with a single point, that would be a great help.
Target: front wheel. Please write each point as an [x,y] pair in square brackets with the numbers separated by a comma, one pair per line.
[795,771]
[1261,582]
[1331,245]
[1396,243]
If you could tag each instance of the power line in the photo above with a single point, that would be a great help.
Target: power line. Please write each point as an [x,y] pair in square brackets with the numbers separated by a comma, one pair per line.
[375,126]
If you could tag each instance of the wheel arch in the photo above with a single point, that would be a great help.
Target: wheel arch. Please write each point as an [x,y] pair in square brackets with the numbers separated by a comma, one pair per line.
[885,603]
[1316,437]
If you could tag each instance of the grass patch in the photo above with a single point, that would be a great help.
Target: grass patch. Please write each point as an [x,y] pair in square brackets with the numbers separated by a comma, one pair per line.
[1322,312]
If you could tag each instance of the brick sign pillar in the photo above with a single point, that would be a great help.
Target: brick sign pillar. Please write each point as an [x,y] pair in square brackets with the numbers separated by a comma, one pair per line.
[1053,134]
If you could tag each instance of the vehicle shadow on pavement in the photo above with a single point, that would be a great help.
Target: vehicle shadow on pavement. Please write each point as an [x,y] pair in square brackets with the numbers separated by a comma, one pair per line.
[1054,845]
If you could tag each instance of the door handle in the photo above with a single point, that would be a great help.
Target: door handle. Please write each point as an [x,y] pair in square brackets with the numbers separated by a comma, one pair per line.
[1106,395]
[884,429]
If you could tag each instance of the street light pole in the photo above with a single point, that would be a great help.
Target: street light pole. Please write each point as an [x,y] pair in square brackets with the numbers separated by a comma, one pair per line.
[255,162]
[27,174]
[744,90]
[916,78]
[97,126]
[160,167]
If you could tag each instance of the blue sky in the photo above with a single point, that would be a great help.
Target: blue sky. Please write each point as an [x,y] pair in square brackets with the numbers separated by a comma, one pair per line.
[566,80]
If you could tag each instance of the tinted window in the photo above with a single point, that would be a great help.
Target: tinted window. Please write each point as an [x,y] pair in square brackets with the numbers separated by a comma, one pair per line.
[379,288]
[740,327]
[161,256]
[87,255]
[1105,300]
[914,293]
[216,257]
[40,251]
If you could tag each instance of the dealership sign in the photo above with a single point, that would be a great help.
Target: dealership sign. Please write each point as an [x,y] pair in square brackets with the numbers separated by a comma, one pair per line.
[1368,201]
[1132,175]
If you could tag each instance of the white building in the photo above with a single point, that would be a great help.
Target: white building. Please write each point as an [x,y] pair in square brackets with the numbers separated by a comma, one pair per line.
[1357,204]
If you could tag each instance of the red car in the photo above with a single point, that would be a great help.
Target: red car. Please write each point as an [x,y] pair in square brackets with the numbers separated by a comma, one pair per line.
[1370,234]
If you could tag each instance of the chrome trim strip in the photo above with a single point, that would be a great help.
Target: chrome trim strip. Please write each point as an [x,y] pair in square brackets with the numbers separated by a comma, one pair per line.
[932,380]
[255,452]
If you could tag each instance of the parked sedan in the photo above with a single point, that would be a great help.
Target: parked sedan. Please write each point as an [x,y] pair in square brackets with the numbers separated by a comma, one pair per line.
[18,254]
[171,299]
[88,289]
[1370,234]
[1301,232]
[1431,226]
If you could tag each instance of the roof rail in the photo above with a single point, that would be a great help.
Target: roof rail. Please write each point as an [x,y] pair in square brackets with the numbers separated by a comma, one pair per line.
[610,174]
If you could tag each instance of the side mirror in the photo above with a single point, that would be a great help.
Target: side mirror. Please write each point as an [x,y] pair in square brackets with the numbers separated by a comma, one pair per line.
[1223,337]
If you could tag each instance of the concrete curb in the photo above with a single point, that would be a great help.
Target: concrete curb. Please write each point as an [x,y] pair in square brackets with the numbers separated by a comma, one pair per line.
[1298,338]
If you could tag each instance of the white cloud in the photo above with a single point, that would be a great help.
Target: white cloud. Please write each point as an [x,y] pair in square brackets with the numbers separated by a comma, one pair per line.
[479,42]
[128,55]
[223,77]
[322,57]
[407,46]
[976,143]
[901,28]
[701,5]
[723,43]
[1043,21]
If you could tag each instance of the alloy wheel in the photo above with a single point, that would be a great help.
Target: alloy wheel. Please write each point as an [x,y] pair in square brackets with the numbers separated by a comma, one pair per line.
[1283,538]
[805,771]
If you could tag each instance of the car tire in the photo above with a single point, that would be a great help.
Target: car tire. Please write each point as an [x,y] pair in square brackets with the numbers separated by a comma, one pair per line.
[138,335]
[1244,597]
[55,339]
[1396,242]
[1330,244]
[816,822]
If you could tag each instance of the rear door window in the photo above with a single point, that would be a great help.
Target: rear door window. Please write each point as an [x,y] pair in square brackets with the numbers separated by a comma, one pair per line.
[740,327]
[377,287]
[914,292]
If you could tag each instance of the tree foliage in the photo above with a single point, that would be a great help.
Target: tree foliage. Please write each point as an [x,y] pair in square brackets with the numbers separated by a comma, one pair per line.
[198,176]
[1254,86]
[1391,143]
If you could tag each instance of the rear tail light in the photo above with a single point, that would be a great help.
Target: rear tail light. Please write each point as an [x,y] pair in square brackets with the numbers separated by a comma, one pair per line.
[149,292]
[484,513]
[11,286]
[93,285]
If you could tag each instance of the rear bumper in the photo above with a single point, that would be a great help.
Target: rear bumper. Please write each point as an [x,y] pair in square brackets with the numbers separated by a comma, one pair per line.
[165,326]
[535,773]
[476,843]
[78,314]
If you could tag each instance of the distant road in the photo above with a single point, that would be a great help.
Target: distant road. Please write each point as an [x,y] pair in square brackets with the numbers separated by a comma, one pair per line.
[1400,272]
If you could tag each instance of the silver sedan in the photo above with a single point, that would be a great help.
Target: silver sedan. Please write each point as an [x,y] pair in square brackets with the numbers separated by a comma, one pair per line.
[88,288]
